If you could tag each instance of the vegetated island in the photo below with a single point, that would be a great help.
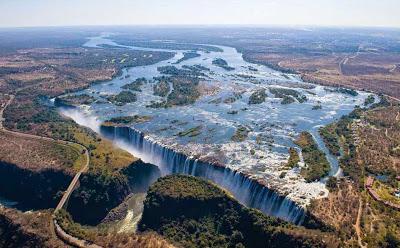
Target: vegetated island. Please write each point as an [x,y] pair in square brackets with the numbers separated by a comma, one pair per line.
[126,120]
[123,98]
[317,166]
[257,97]
[184,83]
[187,56]
[162,87]
[135,85]
[288,95]
[346,91]
[74,100]
[223,64]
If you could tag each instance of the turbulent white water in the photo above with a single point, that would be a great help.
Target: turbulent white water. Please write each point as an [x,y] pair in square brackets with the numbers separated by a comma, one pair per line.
[245,165]
[7,203]
[247,191]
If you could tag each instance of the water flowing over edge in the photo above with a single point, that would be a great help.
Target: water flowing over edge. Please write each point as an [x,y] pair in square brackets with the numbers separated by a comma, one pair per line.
[246,190]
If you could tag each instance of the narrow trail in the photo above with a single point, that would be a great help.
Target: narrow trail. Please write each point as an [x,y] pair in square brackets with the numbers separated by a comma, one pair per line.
[357,224]
[56,229]
[393,98]
[2,111]
[347,58]
[374,219]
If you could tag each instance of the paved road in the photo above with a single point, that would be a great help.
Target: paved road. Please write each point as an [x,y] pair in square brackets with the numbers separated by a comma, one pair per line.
[64,236]
[73,183]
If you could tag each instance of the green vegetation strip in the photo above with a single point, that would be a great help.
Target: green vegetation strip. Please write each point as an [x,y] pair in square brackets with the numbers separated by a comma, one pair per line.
[123,98]
[317,166]
[240,134]
[331,139]
[294,158]
[258,97]
[191,132]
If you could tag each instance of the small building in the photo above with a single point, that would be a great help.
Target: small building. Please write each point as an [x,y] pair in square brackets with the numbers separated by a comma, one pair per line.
[369,182]
[398,178]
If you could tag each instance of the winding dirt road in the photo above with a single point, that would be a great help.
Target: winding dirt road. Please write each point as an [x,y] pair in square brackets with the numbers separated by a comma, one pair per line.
[357,225]
[2,111]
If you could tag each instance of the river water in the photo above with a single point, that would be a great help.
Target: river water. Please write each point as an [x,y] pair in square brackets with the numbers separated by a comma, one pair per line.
[273,126]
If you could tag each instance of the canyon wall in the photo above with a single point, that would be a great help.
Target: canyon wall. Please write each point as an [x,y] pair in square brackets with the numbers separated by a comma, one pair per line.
[248,191]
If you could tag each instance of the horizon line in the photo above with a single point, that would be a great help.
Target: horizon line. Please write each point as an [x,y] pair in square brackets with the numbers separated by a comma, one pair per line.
[207,25]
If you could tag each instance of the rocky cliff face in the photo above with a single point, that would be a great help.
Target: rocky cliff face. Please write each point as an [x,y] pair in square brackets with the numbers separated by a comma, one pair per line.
[29,229]
[195,213]
[99,192]
[248,191]
[32,189]
[12,235]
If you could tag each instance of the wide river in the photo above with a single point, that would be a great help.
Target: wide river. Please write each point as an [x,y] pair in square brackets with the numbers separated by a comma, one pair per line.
[272,126]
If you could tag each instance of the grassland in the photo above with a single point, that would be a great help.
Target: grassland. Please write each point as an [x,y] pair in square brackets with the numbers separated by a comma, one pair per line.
[374,71]
[386,192]
[35,154]
[103,154]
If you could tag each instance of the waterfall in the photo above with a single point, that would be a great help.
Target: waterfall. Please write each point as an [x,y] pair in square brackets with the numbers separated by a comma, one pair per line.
[246,190]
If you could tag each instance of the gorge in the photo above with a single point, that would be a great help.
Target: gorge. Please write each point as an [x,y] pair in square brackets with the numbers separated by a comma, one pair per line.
[219,135]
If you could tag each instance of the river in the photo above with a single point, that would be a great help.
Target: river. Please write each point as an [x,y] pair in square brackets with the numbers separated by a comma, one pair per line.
[272,126]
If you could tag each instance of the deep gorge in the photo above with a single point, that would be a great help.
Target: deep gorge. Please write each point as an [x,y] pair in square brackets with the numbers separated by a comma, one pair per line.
[248,191]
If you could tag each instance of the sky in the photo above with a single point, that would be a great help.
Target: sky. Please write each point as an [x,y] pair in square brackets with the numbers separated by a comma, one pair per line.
[22,13]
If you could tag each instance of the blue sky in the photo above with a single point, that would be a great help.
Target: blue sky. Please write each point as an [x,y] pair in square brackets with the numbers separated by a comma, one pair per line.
[150,12]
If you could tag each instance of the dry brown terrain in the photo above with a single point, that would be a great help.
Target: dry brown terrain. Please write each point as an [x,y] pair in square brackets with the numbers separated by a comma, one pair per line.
[377,72]
[380,133]
[147,240]
[29,229]
[35,137]
[32,73]
[360,219]
[35,154]
[55,70]
[340,210]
